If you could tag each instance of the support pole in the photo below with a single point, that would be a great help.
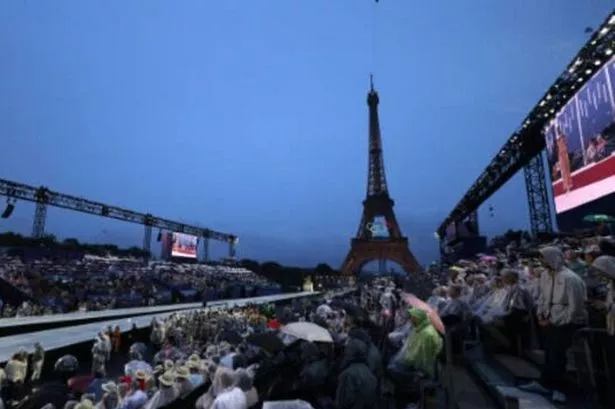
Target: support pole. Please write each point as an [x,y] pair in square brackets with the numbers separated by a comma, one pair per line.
[148,221]
[40,217]
[232,248]
[205,249]
[537,197]
[147,240]
[40,213]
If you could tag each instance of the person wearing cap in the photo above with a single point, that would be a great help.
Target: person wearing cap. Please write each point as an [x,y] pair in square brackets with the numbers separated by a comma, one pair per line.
[166,394]
[110,398]
[195,367]
[168,365]
[182,380]
[135,398]
[141,377]
[85,404]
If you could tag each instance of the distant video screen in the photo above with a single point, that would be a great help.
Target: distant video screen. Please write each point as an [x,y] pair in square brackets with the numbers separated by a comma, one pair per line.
[580,144]
[184,245]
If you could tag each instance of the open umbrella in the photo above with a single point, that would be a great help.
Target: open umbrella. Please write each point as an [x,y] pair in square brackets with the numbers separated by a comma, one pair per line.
[307,331]
[415,302]
[599,218]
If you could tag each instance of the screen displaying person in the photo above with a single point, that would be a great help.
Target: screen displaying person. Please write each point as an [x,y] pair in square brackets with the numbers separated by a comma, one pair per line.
[563,158]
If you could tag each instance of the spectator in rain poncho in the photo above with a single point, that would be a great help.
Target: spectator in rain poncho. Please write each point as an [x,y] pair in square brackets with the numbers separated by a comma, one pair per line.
[135,398]
[2,377]
[518,298]
[169,352]
[456,309]
[357,386]
[107,344]
[533,283]
[517,312]
[561,311]
[158,333]
[423,345]
[244,381]
[166,394]
[16,370]
[605,267]
[492,305]
[196,368]
[437,301]
[183,384]
[481,289]
[575,263]
[223,394]
[99,357]
[110,398]
[136,364]
[38,358]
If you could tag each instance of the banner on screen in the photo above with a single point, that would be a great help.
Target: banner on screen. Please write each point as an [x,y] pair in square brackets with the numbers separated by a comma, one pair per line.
[581,143]
[184,245]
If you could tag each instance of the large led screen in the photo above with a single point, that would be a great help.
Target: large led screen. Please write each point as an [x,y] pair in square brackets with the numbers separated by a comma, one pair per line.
[184,245]
[581,143]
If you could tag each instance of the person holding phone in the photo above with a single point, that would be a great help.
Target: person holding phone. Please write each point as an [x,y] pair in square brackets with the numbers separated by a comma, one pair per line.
[561,311]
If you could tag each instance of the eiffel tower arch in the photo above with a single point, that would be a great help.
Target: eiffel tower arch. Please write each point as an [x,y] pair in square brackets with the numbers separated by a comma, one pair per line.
[379,236]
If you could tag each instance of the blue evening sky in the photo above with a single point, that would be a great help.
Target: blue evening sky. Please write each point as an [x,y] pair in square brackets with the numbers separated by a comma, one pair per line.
[249,116]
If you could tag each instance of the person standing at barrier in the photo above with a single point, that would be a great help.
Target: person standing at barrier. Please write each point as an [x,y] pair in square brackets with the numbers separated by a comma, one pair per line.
[561,312]
[38,358]
[117,339]
[99,357]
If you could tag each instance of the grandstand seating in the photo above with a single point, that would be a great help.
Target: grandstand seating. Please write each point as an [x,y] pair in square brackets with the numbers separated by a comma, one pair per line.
[62,284]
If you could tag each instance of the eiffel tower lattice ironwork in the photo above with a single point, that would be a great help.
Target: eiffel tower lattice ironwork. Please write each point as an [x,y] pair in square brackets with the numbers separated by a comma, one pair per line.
[379,236]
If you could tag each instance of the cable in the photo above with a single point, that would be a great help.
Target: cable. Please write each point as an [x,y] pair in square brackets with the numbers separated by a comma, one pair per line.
[374,36]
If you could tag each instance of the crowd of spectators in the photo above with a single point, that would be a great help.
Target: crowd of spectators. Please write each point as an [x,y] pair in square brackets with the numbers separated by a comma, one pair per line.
[322,353]
[539,300]
[95,283]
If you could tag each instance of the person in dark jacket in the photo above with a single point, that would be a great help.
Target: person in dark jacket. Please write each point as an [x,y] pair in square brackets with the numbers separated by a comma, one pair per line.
[357,385]
[312,379]
[374,359]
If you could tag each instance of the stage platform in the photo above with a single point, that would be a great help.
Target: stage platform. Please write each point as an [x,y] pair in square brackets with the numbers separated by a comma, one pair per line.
[84,316]
[58,338]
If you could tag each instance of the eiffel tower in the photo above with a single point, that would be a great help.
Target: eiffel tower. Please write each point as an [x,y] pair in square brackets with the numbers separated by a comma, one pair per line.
[379,236]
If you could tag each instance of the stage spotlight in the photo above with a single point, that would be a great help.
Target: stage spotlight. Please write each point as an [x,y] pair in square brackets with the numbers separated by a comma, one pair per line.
[8,211]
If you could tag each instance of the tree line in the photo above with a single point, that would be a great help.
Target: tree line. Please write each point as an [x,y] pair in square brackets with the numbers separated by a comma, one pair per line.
[14,242]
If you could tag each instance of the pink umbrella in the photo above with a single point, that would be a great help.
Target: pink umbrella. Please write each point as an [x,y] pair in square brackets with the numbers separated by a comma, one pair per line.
[488,259]
[415,302]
